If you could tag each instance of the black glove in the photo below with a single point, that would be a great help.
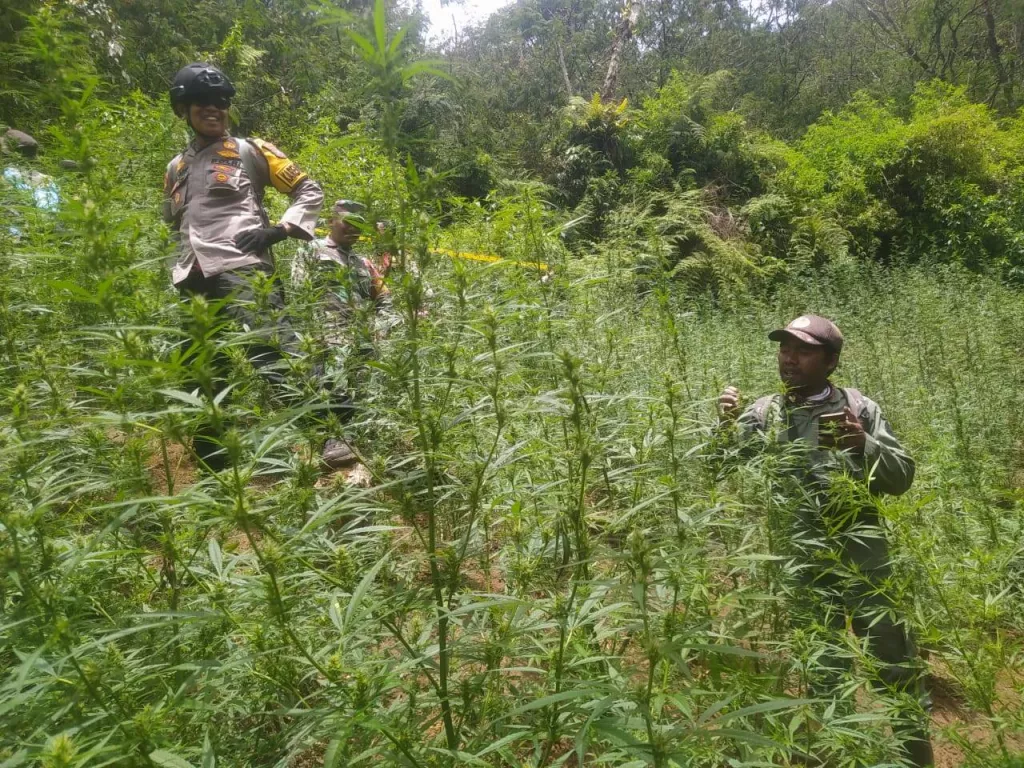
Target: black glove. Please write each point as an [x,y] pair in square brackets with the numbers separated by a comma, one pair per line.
[258,240]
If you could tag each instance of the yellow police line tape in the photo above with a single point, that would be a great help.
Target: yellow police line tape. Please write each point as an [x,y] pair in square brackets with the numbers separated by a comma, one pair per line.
[490,258]
[485,257]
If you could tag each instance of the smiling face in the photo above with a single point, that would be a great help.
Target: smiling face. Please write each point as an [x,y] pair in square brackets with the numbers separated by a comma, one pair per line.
[805,367]
[209,120]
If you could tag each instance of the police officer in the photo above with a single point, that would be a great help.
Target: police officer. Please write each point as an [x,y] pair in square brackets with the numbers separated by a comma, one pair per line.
[213,200]
[843,553]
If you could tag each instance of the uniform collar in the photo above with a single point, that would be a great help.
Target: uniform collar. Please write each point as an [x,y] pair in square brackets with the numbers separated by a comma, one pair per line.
[828,396]
[822,396]
[195,147]
[329,242]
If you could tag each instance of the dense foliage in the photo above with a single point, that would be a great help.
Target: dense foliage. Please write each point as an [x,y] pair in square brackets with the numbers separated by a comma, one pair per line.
[545,562]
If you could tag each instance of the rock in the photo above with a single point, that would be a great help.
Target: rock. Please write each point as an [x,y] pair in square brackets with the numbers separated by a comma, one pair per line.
[358,476]
[354,476]
[19,141]
[69,165]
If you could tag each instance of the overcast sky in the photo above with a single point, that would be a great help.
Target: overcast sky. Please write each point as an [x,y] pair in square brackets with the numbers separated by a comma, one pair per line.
[464,13]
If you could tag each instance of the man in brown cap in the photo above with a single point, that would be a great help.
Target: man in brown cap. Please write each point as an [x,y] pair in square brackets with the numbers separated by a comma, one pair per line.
[830,433]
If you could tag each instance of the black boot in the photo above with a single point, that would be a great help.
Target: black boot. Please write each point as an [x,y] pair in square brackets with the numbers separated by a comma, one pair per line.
[917,746]
[337,453]
[211,455]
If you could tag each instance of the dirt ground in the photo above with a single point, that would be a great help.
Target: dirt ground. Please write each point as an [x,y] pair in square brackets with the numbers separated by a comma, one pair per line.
[952,716]
[954,722]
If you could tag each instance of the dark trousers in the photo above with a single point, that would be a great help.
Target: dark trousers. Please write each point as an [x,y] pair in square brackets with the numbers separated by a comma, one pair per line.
[274,340]
[348,314]
[272,347]
[846,574]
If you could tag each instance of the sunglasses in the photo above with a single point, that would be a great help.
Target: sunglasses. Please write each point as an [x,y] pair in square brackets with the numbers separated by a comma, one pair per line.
[220,102]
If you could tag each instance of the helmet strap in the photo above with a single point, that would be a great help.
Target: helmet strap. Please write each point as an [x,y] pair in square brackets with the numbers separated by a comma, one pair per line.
[188,119]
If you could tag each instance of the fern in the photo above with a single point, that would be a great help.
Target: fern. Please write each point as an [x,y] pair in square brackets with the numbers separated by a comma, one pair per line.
[817,241]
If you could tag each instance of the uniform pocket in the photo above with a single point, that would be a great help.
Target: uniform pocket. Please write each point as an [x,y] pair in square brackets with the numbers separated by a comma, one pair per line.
[177,198]
[224,182]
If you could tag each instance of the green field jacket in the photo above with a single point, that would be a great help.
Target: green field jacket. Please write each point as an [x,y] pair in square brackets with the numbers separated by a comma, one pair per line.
[885,461]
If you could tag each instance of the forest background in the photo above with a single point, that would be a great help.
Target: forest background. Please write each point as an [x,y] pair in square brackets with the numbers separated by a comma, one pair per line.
[544,565]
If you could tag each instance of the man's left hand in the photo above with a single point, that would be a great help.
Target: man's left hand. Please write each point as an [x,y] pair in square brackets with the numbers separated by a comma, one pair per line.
[850,434]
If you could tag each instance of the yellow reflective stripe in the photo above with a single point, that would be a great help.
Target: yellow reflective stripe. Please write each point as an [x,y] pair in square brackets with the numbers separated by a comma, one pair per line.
[284,174]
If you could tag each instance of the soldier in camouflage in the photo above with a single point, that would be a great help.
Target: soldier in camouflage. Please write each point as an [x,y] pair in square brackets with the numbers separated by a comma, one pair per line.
[353,281]
[842,552]
[354,302]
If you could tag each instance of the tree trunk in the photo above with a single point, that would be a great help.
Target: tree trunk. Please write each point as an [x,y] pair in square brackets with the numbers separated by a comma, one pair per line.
[995,52]
[623,34]
[663,45]
[565,70]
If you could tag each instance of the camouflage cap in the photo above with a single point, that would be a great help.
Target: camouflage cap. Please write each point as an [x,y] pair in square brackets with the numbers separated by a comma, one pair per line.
[347,206]
[811,329]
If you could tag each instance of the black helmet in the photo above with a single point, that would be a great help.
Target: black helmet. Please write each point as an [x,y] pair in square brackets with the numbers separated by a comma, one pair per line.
[197,81]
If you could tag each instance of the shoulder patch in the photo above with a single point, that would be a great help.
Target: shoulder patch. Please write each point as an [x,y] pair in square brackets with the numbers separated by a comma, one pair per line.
[266,146]
[284,174]
[289,174]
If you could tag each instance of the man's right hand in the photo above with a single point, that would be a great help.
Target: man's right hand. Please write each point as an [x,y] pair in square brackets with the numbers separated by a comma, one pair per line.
[729,403]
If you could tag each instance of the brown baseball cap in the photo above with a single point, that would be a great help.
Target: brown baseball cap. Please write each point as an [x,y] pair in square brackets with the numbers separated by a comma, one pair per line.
[812,329]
